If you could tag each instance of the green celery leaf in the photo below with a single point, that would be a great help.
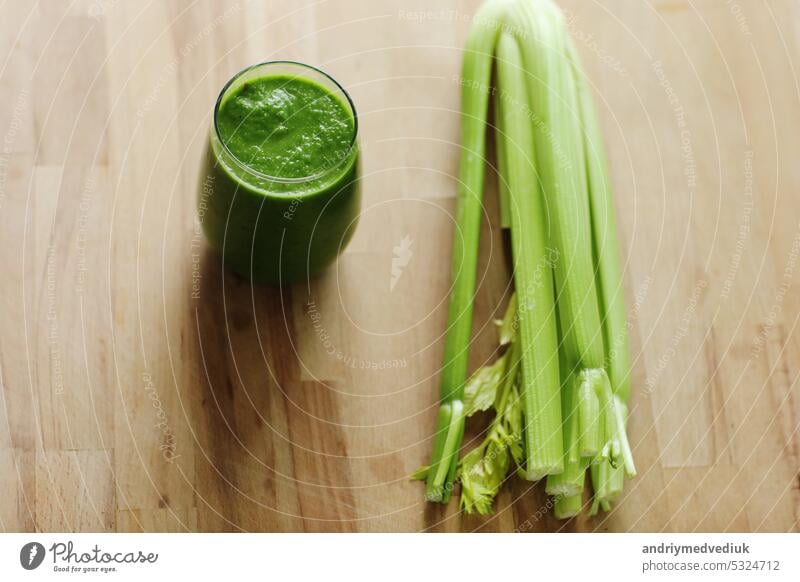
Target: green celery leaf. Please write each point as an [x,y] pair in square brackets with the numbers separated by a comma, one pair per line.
[484,469]
[480,391]
[482,473]
[420,474]
[513,417]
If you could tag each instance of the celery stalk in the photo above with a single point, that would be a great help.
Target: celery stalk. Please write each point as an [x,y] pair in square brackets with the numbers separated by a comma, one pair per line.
[567,506]
[476,77]
[606,246]
[560,161]
[589,414]
[607,481]
[571,480]
[532,273]
[608,274]
[502,166]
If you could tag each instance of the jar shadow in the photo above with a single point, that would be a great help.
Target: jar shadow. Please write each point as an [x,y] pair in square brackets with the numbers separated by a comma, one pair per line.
[243,354]
[267,461]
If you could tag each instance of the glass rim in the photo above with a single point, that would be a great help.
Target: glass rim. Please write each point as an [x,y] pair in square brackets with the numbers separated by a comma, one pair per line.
[281,179]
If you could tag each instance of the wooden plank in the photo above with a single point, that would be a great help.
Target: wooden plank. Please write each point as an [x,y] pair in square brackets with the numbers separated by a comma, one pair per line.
[75,491]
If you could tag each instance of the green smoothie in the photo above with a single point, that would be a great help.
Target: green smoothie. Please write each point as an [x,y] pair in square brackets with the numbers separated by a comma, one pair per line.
[279,196]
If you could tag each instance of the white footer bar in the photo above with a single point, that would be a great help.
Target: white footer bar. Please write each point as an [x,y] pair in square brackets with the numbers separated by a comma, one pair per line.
[406,557]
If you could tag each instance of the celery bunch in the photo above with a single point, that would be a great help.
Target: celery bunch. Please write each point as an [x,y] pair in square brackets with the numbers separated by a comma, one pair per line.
[559,391]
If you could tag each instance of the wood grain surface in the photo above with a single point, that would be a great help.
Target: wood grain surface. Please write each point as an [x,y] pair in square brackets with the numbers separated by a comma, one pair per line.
[145,389]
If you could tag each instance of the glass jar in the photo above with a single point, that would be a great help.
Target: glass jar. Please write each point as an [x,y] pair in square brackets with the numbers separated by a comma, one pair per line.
[273,229]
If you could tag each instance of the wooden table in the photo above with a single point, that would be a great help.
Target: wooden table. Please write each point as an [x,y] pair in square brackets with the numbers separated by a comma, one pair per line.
[146,389]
